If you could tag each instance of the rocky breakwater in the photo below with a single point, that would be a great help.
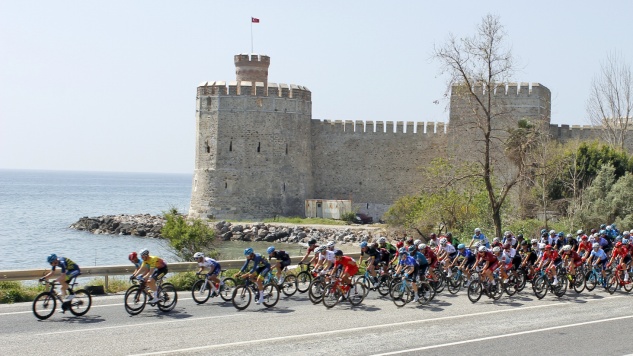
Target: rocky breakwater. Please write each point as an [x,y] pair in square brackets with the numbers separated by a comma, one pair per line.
[289,233]
[138,225]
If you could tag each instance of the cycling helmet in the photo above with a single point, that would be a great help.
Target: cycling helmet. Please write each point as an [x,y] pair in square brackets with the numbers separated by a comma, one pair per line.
[608,227]
[579,232]
[524,243]
[402,250]
[496,239]
[519,236]
[552,232]
[198,255]
[593,231]
[412,249]
[338,253]
[626,233]
[534,241]
[270,250]
[603,226]
[541,246]
[381,240]
[482,249]
[567,248]
[132,257]
[331,243]
[449,235]
[410,239]
[507,233]
[312,242]
[144,252]
[363,244]
[584,238]
[603,232]
[248,251]
[569,236]
[595,245]
[618,244]
[543,231]
[399,244]
[319,249]
[618,239]
[561,234]
[461,246]
[477,230]
[443,241]
[432,243]
[496,249]
[507,245]
[421,247]
[625,241]
[433,236]
[51,258]
[548,247]
[631,231]
[417,242]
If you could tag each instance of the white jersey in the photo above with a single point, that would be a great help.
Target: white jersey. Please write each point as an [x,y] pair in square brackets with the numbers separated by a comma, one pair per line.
[329,255]
[450,249]
[208,262]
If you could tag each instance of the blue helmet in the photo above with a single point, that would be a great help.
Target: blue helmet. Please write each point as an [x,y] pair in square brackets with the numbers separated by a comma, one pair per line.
[561,234]
[461,246]
[52,257]
[363,244]
[603,232]
[248,251]
[270,250]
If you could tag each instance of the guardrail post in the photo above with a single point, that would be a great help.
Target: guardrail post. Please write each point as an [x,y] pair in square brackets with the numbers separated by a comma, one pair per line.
[106,283]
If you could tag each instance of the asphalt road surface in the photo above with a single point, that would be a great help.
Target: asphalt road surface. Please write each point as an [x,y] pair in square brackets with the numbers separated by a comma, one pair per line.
[589,323]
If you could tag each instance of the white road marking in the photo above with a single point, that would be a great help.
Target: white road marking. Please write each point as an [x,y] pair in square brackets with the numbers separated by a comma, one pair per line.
[361,328]
[505,335]
[137,325]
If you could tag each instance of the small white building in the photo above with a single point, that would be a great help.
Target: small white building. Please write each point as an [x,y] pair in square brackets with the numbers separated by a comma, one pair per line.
[328,209]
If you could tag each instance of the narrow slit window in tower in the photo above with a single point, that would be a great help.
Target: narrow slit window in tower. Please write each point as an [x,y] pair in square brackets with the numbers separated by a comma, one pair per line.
[230,146]
[284,186]
[226,185]
[259,145]
[286,148]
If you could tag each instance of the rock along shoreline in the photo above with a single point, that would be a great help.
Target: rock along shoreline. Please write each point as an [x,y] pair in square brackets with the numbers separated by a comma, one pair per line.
[146,225]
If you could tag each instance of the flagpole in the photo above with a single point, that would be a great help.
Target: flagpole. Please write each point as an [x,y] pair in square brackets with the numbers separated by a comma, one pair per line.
[251,35]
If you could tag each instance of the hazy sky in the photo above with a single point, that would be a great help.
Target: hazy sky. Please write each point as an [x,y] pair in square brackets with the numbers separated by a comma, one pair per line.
[111,85]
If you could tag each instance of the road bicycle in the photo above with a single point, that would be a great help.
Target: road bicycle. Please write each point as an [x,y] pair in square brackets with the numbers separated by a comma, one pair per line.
[136,296]
[289,285]
[243,294]
[45,302]
[305,277]
[542,284]
[381,283]
[479,287]
[402,292]
[201,289]
[617,280]
[336,291]
[594,277]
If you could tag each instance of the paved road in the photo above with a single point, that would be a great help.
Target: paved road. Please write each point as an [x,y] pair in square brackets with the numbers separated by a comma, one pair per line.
[586,324]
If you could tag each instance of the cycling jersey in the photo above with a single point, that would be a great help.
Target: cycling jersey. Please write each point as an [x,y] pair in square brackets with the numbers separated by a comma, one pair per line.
[258,262]
[312,248]
[329,256]
[280,255]
[585,245]
[393,251]
[481,237]
[600,254]
[154,262]
[490,257]
[208,263]
[620,252]
[419,257]
[408,261]
[67,265]
[349,265]
[371,252]
[450,249]
[431,257]
[138,263]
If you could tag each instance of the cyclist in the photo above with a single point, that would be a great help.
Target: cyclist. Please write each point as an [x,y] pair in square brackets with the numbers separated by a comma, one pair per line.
[330,245]
[572,258]
[490,263]
[584,246]
[447,255]
[431,257]
[133,257]
[312,245]
[505,262]
[154,269]
[283,261]
[326,258]
[349,266]
[423,263]
[622,252]
[408,266]
[479,236]
[466,259]
[260,269]
[214,270]
[601,258]
[69,269]
[549,261]
[373,259]
[529,255]
[508,236]
[391,249]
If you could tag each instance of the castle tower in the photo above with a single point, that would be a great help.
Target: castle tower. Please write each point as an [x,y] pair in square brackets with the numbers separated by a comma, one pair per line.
[253,139]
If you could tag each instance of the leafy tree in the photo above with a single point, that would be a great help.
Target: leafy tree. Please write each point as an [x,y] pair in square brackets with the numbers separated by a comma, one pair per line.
[188,236]
[597,208]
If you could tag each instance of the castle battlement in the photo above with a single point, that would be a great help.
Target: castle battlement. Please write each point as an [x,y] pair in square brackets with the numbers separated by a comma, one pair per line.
[248,88]
[510,89]
[244,58]
[384,127]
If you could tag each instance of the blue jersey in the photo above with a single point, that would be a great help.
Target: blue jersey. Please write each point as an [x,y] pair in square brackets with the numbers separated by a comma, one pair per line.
[409,262]
[67,265]
[419,257]
[138,263]
[258,261]
[600,254]
[482,238]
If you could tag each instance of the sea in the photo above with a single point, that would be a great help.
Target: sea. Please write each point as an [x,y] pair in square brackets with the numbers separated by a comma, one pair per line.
[37,208]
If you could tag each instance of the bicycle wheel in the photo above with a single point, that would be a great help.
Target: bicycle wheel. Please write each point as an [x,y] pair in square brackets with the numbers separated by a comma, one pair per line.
[511,285]
[578,282]
[560,289]
[540,287]
[454,284]
[521,277]
[304,278]
[169,297]
[383,287]
[426,293]
[201,291]
[271,295]
[81,303]
[590,281]
[366,282]
[628,286]
[398,293]
[241,297]
[44,305]
[331,295]
[356,294]
[226,289]
[496,290]
[439,284]
[134,300]
[289,286]
[315,291]
[474,291]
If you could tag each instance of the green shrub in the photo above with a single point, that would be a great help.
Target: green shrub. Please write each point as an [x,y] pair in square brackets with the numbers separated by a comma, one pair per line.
[16,292]
[348,217]
[183,281]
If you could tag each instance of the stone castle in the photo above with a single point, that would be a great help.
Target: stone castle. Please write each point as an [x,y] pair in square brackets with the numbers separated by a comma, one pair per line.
[260,154]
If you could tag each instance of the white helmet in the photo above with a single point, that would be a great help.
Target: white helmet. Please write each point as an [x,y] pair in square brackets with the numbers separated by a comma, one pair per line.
[631,231]
[541,246]
[417,242]
[496,249]
[443,241]
[552,232]
[579,232]
[477,230]
[567,248]
[319,249]
[507,233]
[331,244]
[144,252]
[626,233]
[482,248]
[421,247]
[596,245]
[534,241]
[496,239]
[382,240]
[198,255]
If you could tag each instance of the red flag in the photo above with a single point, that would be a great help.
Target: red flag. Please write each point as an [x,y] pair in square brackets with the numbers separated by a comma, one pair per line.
[254,20]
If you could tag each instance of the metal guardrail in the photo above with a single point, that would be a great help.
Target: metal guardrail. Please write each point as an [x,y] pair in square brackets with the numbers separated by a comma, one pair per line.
[29,274]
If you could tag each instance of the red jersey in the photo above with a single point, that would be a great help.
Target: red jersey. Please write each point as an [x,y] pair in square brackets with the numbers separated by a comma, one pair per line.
[584,245]
[574,256]
[550,255]
[620,252]
[346,262]
[430,255]
[490,257]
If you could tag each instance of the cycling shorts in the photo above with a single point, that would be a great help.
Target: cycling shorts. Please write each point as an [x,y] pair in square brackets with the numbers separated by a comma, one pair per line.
[493,266]
[159,273]
[558,261]
[434,264]
[627,259]
[351,270]
[216,271]
[284,263]
[603,264]
[262,271]
[422,270]
[70,274]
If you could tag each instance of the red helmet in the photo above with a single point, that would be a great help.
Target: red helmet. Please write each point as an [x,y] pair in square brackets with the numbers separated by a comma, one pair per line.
[133,257]
[548,247]
[433,235]
[618,244]
[399,244]
[584,238]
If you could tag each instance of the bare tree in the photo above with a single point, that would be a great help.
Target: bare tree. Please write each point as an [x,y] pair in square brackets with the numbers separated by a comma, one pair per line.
[477,66]
[610,102]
